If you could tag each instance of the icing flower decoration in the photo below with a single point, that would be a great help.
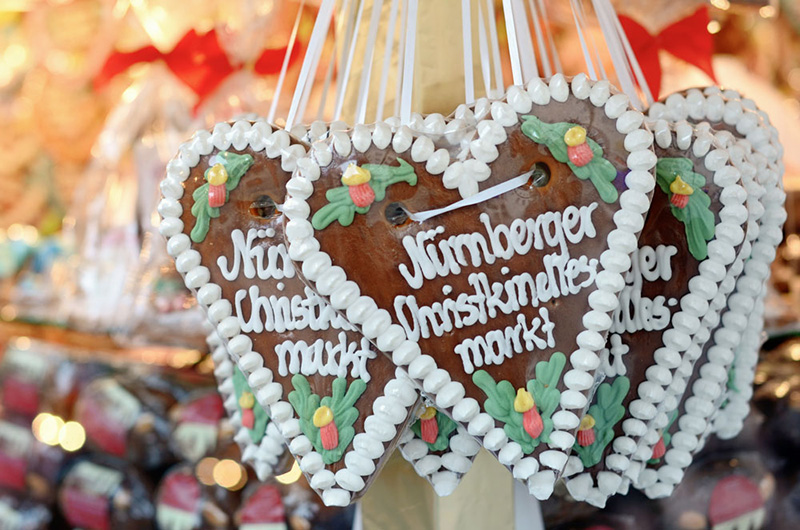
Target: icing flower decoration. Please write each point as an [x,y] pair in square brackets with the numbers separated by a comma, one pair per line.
[586,436]
[680,193]
[253,417]
[323,420]
[690,204]
[361,187]
[531,419]
[569,144]
[596,429]
[428,425]
[327,422]
[434,428]
[246,404]
[526,413]
[221,178]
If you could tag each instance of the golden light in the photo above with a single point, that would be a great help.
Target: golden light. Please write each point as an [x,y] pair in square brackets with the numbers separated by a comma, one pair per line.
[46,428]
[714,26]
[205,470]
[15,231]
[721,4]
[782,389]
[768,11]
[794,351]
[291,476]
[8,313]
[15,55]
[228,474]
[72,436]
[22,343]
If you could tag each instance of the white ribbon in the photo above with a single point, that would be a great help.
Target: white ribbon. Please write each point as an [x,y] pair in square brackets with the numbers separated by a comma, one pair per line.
[273,108]
[406,94]
[387,60]
[481,196]
[466,38]
[363,93]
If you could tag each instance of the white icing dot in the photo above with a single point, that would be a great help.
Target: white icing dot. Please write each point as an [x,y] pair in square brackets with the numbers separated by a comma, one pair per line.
[280,286]
[672,302]
[504,270]
[447,289]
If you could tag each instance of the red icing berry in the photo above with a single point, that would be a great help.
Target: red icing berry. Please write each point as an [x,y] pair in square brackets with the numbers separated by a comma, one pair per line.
[532,422]
[216,195]
[329,435]
[586,437]
[580,155]
[679,201]
[248,418]
[660,449]
[429,429]
[362,194]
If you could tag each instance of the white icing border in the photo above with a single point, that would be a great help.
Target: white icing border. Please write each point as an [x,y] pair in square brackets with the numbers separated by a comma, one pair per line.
[640,429]
[389,410]
[377,324]
[263,457]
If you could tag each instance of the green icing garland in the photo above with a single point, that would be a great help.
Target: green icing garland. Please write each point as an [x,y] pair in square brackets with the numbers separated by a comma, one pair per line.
[236,166]
[446,427]
[500,400]
[696,215]
[341,401]
[607,411]
[600,172]
[240,386]
[341,206]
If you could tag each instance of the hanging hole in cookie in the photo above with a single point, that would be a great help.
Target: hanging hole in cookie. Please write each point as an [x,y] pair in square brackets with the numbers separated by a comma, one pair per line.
[540,175]
[396,214]
[263,207]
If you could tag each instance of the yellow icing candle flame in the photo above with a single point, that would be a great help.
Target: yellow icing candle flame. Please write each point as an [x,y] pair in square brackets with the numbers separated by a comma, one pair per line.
[524,401]
[217,175]
[680,187]
[586,423]
[428,413]
[354,175]
[322,417]
[575,136]
[247,401]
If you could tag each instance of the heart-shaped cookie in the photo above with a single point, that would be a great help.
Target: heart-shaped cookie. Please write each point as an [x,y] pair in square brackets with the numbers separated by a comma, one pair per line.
[720,384]
[258,438]
[690,243]
[339,405]
[486,275]
[728,110]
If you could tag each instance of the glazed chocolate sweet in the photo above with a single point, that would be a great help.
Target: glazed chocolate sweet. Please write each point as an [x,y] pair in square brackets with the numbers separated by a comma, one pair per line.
[103,493]
[261,507]
[198,426]
[659,323]
[511,280]
[291,346]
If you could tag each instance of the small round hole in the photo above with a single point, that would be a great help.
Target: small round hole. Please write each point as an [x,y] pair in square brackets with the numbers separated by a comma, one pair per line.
[540,176]
[263,207]
[396,214]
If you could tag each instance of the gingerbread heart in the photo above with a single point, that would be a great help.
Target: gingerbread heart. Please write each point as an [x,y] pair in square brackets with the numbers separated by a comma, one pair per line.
[485,275]
[690,243]
[339,405]
[258,438]
[720,384]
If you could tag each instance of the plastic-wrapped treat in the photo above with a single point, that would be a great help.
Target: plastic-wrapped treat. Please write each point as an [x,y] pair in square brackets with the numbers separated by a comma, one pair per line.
[102,493]
[199,426]
[28,468]
[261,509]
[16,514]
[183,502]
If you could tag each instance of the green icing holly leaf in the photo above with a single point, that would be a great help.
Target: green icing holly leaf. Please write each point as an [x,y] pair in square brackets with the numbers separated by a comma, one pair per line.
[341,402]
[500,400]
[607,411]
[666,435]
[240,386]
[732,379]
[599,171]
[697,216]
[446,428]
[236,166]
[340,205]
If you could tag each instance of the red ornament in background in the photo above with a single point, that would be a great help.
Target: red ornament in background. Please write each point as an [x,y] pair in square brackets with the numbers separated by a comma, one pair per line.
[687,39]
